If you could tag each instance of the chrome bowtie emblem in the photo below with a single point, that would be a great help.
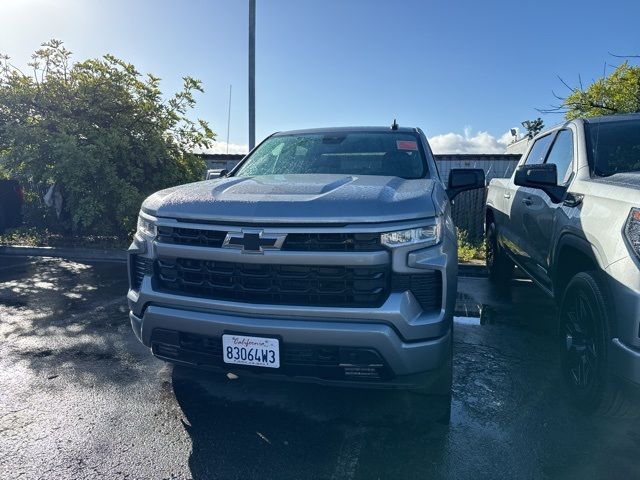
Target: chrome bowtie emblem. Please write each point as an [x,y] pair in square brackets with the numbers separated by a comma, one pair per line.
[254,241]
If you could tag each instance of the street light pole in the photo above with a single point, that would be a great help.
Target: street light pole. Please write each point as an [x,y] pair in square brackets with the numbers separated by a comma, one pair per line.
[252,74]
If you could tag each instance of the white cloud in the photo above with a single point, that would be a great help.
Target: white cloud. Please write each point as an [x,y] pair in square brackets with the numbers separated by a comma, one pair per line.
[221,147]
[481,142]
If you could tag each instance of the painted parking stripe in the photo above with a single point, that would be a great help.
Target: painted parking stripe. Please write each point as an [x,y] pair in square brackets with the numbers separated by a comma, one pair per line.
[349,454]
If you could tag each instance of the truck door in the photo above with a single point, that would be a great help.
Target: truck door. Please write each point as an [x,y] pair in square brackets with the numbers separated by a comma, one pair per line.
[539,213]
[524,208]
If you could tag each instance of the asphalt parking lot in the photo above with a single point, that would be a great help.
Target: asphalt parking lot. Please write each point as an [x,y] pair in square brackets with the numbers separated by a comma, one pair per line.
[81,398]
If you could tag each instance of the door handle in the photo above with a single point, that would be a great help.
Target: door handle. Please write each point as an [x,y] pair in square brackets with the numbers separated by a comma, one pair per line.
[527,201]
[507,195]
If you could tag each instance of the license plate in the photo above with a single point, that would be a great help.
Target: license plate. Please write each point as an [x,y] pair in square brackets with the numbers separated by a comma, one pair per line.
[256,351]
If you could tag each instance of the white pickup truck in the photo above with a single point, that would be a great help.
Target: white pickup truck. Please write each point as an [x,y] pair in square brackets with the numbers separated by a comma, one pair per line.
[569,217]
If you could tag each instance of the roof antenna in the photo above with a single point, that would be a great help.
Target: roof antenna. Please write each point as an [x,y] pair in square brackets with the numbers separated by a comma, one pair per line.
[394,125]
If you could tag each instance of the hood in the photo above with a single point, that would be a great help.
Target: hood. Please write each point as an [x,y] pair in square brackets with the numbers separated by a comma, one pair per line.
[622,186]
[627,180]
[311,199]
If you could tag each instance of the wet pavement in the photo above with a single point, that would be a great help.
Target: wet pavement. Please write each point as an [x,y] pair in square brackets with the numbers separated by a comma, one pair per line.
[81,398]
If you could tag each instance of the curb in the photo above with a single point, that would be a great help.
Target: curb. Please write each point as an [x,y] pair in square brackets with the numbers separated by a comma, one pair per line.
[472,270]
[79,254]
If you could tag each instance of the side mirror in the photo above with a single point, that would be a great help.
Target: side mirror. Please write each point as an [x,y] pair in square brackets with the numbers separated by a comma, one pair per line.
[461,179]
[215,173]
[543,177]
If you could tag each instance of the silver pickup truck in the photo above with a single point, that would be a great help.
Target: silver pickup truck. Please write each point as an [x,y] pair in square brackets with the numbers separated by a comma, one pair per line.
[570,219]
[326,255]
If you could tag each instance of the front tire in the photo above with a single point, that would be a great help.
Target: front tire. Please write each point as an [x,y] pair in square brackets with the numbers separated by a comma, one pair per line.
[585,333]
[499,266]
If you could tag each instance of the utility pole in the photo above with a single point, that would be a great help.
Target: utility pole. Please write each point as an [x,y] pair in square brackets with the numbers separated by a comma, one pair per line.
[252,74]
[229,118]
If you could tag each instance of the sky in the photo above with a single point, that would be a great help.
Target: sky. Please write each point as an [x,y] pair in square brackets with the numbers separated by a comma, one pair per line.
[463,71]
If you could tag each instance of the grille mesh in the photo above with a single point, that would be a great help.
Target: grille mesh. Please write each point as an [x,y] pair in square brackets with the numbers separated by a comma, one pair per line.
[318,285]
[191,236]
[333,242]
[298,242]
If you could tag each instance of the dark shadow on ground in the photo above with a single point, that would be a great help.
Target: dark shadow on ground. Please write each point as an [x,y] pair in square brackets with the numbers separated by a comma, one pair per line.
[57,315]
[289,430]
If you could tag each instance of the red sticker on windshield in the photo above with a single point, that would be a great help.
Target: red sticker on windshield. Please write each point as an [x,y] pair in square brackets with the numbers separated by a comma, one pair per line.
[407,145]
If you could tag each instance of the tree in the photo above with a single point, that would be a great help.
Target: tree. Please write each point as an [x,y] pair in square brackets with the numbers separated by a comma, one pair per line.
[99,131]
[616,93]
[533,127]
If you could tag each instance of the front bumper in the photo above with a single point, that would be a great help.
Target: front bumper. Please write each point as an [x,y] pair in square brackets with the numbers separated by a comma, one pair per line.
[623,279]
[624,361]
[411,364]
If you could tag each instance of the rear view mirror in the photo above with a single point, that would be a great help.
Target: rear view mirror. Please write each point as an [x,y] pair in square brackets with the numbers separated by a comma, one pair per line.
[461,179]
[541,176]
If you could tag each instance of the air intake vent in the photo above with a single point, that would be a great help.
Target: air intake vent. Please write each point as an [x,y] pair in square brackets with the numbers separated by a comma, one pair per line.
[140,266]
[426,287]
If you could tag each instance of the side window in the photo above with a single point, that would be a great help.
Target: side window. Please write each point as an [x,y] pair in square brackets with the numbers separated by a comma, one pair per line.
[538,152]
[562,155]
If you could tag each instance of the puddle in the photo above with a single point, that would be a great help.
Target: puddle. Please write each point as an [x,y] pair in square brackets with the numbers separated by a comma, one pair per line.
[522,306]
[467,320]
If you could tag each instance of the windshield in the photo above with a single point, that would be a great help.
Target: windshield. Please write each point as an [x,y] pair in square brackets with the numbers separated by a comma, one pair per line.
[614,147]
[361,153]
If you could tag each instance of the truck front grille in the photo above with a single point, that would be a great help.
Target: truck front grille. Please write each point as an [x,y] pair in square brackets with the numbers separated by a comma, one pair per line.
[313,285]
[295,242]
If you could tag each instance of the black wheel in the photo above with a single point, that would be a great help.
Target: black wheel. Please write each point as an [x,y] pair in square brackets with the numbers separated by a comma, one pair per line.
[585,334]
[499,266]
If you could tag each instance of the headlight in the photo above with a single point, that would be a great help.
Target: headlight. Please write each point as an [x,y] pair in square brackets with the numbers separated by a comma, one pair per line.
[146,227]
[632,229]
[425,236]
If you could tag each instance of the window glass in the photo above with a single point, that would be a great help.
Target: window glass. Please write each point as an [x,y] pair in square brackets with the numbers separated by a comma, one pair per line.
[345,153]
[562,155]
[614,146]
[539,150]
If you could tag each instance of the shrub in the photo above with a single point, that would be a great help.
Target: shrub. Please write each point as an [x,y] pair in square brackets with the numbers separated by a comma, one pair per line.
[469,250]
[99,131]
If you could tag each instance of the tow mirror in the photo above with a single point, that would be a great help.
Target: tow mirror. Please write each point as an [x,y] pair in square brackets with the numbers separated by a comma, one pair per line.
[462,179]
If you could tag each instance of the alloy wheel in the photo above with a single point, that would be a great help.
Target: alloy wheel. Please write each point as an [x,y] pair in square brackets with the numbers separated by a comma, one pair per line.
[580,342]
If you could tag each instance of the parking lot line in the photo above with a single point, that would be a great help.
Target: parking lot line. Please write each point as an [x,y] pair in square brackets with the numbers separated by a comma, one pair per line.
[349,454]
